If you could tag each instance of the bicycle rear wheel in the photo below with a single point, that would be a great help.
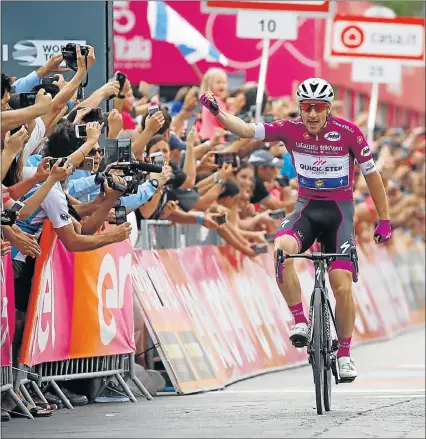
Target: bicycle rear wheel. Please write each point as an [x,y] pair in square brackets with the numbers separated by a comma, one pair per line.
[318,357]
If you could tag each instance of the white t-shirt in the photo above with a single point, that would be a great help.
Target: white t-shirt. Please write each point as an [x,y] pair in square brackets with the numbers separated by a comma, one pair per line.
[35,139]
[54,208]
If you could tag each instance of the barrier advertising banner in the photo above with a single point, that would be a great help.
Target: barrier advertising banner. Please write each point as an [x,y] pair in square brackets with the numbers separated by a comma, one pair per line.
[161,289]
[80,304]
[232,310]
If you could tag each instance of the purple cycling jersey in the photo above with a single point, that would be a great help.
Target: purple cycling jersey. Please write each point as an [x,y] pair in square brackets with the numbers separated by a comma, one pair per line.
[324,163]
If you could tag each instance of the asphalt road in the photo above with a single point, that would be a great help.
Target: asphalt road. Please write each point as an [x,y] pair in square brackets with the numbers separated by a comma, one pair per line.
[387,401]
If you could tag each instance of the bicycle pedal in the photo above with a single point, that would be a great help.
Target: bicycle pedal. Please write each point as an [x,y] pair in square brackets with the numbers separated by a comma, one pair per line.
[298,341]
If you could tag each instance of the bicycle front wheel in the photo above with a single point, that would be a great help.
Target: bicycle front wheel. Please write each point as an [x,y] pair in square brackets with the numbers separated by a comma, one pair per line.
[318,357]
[326,355]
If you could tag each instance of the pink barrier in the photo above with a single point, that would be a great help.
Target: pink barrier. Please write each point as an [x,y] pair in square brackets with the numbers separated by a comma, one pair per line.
[7,309]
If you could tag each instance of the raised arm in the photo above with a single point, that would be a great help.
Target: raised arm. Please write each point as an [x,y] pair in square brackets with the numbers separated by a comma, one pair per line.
[230,122]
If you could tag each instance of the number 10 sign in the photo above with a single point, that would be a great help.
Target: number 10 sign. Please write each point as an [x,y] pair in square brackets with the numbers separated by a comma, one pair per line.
[275,25]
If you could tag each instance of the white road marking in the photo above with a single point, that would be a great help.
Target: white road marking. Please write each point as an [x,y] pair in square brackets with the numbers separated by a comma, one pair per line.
[283,391]
[409,366]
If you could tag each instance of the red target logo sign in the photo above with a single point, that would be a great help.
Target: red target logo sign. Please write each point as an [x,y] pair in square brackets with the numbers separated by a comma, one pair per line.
[352,37]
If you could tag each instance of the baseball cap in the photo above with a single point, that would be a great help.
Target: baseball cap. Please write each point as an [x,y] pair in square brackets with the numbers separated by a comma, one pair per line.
[263,158]
[176,143]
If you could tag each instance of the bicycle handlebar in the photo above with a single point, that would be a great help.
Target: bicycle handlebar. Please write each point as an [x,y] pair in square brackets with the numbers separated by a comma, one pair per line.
[317,256]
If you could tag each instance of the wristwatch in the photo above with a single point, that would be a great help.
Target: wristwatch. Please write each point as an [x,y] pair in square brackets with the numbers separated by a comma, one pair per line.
[216,179]
[155,183]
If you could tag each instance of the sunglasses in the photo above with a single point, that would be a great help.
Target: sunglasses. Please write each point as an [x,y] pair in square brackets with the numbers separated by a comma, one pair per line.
[319,107]
[94,151]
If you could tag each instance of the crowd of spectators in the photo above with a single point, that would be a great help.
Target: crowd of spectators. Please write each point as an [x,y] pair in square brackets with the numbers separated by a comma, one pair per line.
[240,187]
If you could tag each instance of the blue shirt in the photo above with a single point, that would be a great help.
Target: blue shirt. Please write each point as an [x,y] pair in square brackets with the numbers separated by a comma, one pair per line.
[288,168]
[82,186]
[25,84]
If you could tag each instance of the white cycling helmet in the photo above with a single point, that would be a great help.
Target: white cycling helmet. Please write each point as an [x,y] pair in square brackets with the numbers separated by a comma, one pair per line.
[315,88]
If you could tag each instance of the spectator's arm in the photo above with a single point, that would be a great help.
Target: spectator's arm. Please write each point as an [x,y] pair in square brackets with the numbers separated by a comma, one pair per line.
[209,198]
[226,233]
[93,130]
[238,145]
[58,117]
[249,147]
[201,150]
[25,84]
[13,118]
[109,89]
[189,166]
[82,186]
[21,188]
[80,243]
[152,125]
[273,203]
[24,242]
[189,104]
[32,203]
[115,124]
[66,93]
[12,147]
[95,221]
[206,183]
[144,194]
[147,209]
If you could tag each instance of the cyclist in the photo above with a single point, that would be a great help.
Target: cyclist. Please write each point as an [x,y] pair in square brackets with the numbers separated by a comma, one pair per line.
[323,150]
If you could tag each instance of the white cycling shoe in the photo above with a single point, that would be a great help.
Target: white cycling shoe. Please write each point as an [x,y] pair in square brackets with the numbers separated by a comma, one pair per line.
[299,335]
[347,370]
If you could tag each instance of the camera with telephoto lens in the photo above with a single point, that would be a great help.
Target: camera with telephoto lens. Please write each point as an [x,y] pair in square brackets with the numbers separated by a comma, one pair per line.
[133,173]
[69,53]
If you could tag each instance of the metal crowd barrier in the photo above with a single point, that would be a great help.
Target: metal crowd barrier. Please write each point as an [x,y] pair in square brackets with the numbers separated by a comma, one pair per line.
[118,366]
[6,386]
[161,234]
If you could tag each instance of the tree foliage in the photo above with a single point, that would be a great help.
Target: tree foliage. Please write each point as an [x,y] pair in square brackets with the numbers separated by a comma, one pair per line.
[404,8]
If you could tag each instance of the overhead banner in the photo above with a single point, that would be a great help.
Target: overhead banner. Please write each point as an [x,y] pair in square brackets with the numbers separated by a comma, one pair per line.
[81,304]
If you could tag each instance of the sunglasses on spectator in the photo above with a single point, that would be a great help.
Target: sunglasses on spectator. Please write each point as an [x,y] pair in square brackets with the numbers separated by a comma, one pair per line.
[319,107]
[94,151]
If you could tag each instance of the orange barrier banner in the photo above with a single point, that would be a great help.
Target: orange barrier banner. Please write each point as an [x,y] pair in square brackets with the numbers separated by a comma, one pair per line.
[80,305]
[237,322]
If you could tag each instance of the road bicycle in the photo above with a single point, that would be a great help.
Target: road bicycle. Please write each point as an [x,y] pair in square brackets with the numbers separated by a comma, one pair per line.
[322,345]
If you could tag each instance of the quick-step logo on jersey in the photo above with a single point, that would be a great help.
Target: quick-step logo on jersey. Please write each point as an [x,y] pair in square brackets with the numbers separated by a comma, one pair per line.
[324,172]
